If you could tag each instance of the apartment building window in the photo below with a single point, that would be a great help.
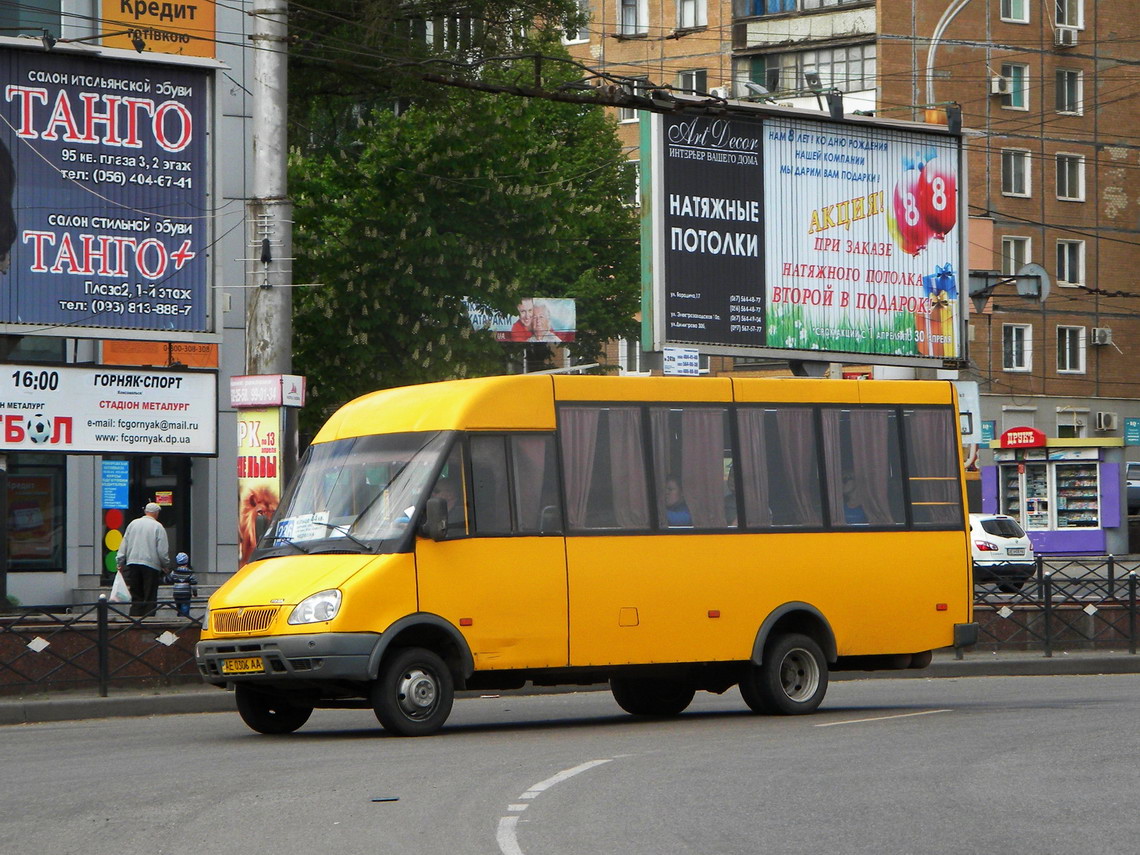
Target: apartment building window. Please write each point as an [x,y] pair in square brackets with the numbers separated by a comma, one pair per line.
[1015,254]
[1017,98]
[1070,91]
[630,358]
[1070,350]
[581,33]
[1070,13]
[633,86]
[1070,262]
[1016,347]
[1071,177]
[691,13]
[1015,11]
[693,82]
[634,17]
[848,69]
[1014,172]
[755,8]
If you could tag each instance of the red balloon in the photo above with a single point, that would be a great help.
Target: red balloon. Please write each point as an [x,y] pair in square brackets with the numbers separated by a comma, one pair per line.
[908,225]
[938,198]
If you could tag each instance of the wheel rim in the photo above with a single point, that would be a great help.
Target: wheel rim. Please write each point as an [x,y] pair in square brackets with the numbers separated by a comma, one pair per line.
[799,675]
[417,693]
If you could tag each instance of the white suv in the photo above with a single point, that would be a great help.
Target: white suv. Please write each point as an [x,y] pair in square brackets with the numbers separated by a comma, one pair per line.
[1001,551]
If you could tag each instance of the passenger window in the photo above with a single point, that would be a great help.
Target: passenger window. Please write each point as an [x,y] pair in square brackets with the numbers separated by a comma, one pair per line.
[604,466]
[451,487]
[535,470]
[692,468]
[933,471]
[489,479]
[863,464]
[779,460]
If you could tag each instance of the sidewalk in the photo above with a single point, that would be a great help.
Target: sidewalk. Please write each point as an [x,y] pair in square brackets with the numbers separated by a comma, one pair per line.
[201,698]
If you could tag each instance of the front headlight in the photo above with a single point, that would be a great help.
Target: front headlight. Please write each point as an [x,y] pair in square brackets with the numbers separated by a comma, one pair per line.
[317,608]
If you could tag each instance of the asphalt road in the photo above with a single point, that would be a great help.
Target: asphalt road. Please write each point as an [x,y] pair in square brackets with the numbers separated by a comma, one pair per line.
[950,765]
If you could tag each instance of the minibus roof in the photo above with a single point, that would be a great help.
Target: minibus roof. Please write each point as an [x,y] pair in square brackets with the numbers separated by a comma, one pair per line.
[526,401]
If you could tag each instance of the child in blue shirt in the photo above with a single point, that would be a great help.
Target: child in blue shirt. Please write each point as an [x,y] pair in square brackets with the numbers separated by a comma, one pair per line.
[184,582]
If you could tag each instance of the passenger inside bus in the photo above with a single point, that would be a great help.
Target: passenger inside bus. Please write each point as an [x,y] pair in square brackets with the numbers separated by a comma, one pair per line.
[853,513]
[676,511]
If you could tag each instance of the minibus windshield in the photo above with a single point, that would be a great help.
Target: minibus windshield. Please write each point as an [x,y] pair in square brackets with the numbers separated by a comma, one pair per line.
[357,493]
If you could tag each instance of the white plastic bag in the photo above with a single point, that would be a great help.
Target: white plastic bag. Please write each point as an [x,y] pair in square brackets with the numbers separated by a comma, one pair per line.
[120,593]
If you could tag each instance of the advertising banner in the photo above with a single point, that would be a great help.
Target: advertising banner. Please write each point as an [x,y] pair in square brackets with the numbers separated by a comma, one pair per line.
[548,319]
[103,212]
[259,473]
[183,27]
[107,410]
[781,233]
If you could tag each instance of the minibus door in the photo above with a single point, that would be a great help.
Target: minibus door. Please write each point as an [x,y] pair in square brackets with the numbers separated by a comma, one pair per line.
[500,573]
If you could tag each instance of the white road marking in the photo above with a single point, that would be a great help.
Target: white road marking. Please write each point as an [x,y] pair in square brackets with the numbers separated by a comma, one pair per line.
[507,836]
[880,718]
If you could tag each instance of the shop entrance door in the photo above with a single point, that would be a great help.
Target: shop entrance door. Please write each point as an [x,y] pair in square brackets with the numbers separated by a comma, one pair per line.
[166,480]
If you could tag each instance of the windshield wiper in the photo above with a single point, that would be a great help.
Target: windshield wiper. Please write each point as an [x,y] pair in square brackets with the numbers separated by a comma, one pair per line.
[344,530]
[284,541]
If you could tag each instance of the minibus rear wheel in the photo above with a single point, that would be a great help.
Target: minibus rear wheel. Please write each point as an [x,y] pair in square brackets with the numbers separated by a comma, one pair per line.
[652,696]
[791,681]
[414,693]
[268,713]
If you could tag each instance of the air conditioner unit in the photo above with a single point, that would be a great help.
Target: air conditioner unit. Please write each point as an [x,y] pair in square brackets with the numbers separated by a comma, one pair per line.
[1065,37]
[1101,335]
[1106,421]
[721,92]
[999,86]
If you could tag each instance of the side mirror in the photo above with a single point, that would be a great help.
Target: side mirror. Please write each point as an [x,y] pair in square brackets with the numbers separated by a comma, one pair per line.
[435,518]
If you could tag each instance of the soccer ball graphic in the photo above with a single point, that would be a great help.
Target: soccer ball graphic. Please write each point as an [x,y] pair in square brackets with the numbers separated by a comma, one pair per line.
[38,428]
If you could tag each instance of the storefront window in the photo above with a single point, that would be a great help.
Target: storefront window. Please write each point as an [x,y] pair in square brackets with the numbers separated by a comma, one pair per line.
[36,522]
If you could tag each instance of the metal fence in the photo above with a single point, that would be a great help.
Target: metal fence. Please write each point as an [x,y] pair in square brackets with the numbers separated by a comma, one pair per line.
[85,645]
[1084,602]
[1087,602]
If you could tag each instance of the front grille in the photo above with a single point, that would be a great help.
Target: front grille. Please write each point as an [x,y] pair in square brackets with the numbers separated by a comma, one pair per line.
[243,620]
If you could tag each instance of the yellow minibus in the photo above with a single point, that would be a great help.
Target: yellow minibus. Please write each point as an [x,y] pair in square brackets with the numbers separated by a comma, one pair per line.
[664,534]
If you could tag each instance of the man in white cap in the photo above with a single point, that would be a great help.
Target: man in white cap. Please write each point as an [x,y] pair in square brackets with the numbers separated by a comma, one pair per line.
[145,553]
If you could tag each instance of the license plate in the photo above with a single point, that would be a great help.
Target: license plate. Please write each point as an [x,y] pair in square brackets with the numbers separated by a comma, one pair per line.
[1017,550]
[249,665]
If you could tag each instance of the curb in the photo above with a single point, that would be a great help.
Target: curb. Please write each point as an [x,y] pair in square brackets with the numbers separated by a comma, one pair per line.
[209,699]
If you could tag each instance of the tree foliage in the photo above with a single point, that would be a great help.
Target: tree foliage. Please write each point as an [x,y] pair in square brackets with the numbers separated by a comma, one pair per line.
[464,195]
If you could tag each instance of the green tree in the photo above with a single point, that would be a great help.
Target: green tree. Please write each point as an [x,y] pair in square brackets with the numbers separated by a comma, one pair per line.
[466,195]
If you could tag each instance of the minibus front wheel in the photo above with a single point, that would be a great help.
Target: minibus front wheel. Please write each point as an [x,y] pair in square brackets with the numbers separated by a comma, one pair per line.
[414,692]
[268,713]
[792,679]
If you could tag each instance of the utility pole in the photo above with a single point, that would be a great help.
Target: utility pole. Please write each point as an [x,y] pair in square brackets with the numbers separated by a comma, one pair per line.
[269,321]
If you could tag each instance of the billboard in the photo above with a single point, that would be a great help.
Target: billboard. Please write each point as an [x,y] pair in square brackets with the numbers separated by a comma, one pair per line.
[183,27]
[776,234]
[106,227]
[539,319]
[104,410]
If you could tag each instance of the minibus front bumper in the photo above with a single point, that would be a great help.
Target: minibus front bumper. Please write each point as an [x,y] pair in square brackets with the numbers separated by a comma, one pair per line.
[324,656]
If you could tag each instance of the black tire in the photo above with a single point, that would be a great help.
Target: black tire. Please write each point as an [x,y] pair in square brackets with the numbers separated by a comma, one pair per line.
[269,713]
[414,693]
[651,696]
[792,680]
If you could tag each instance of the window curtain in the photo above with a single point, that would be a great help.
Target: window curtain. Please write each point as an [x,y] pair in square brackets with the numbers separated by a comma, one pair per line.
[702,465]
[579,432]
[872,471]
[934,485]
[753,471]
[529,457]
[800,456]
[627,469]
